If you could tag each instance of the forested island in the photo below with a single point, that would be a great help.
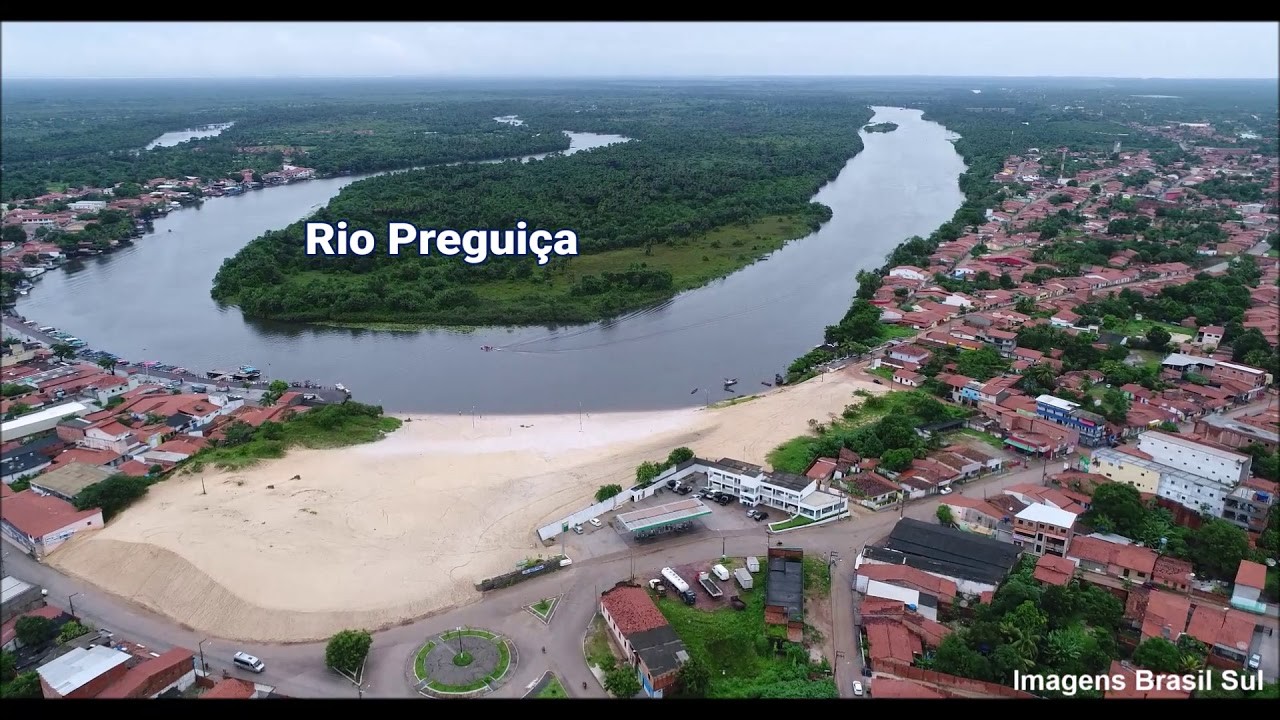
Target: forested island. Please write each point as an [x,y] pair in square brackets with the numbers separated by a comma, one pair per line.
[707,185]
[884,127]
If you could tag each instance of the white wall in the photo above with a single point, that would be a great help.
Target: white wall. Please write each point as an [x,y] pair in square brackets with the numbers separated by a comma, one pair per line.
[51,541]
[1212,466]
[552,530]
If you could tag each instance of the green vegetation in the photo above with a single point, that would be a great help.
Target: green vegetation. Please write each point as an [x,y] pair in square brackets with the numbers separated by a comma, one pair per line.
[884,127]
[553,690]
[71,631]
[817,576]
[880,424]
[741,661]
[1034,629]
[857,332]
[465,658]
[347,651]
[13,685]
[708,186]
[326,426]
[795,522]
[112,495]
[607,491]
[622,682]
[599,652]
[647,472]
[420,660]
[542,609]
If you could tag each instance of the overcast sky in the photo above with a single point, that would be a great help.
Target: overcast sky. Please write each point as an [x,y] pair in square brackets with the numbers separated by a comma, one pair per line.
[202,50]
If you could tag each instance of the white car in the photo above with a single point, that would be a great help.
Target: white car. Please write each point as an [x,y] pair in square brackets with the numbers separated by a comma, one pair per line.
[595,522]
[1255,661]
[945,491]
[857,689]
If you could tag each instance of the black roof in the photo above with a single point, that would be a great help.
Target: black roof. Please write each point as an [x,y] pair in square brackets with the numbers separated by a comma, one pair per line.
[790,481]
[948,551]
[660,648]
[177,421]
[785,587]
[15,464]
[48,441]
[738,466]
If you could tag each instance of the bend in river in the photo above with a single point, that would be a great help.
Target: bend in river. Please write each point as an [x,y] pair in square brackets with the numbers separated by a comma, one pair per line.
[151,302]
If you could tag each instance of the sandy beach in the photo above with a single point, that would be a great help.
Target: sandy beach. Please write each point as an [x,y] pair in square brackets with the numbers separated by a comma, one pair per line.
[376,534]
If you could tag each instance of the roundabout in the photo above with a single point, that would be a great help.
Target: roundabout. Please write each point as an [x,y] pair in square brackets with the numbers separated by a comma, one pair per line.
[466,662]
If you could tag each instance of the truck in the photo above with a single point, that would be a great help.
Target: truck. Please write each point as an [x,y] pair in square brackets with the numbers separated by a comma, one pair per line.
[709,585]
[744,578]
[753,564]
[678,584]
[720,572]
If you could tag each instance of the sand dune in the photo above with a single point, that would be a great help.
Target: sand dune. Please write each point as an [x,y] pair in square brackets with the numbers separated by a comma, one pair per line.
[375,534]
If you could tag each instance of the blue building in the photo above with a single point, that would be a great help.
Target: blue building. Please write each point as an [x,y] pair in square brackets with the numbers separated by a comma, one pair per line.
[1091,426]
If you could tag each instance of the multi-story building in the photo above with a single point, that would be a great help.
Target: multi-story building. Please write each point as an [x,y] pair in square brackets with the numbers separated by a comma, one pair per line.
[793,494]
[1247,506]
[1206,461]
[1043,529]
[1233,433]
[1091,426]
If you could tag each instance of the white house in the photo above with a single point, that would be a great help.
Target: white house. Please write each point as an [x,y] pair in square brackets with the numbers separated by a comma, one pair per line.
[38,524]
[909,272]
[793,494]
[109,436]
[1211,463]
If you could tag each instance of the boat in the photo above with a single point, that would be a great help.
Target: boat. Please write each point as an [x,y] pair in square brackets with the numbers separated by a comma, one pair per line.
[766,383]
[730,381]
[341,388]
[486,348]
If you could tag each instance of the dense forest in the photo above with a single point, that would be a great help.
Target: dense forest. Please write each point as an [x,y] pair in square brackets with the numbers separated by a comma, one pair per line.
[707,184]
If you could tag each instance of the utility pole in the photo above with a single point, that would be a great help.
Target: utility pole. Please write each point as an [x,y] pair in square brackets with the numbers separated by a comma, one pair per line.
[72,602]
[202,490]
[204,666]
[579,416]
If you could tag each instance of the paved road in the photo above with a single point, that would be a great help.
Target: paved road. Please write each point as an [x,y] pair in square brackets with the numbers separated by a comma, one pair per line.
[298,670]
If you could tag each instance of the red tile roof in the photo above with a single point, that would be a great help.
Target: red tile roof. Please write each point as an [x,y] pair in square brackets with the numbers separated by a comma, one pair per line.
[1251,574]
[1053,570]
[8,632]
[1227,627]
[1165,610]
[906,576]
[134,683]
[821,469]
[1130,690]
[38,515]
[632,610]
[888,639]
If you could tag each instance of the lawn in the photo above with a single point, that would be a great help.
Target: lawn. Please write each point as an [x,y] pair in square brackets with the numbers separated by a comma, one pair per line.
[553,691]
[742,661]
[991,440]
[1133,328]
[817,576]
[420,662]
[543,608]
[883,371]
[795,522]
[599,653]
[329,426]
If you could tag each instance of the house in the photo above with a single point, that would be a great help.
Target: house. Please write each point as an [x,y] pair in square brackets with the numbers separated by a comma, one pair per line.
[1251,578]
[1228,632]
[1124,684]
[1233,433]
[40,421]
[169,672]
[1064,319]
[1092,427]
[68,480]
[1054,570]
[872,491]
[9,633]
[908,378]
[1125,562]
[909,272]
[38,524]
[83,673]
[1248,506]
[647,640]
[1042,529]
[911,586]
[981,516]
[237,689]
[976,564]
[784,590]
[790,493]
[1210,335]
[17,597]
[1220,465]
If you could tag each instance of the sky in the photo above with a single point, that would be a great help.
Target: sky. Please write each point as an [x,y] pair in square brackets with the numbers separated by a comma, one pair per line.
[239,50]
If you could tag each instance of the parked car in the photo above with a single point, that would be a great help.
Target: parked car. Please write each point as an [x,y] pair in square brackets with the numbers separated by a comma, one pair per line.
[248,662]
[577,529]
[945,491]
[672,484]
[595,522]
[876,381]
[857,688]
[761,515]
[1255,661]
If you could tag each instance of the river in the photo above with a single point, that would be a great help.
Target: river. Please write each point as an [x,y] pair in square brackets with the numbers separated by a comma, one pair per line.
[151,302]
[177,137]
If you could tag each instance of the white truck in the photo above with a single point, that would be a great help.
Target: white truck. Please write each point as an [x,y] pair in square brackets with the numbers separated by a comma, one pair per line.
[678,584]
[720,572]
[744,578]
[753,564]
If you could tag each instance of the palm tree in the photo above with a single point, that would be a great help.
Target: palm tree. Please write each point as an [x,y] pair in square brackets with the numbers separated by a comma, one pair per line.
[1066,644]
[1023,642]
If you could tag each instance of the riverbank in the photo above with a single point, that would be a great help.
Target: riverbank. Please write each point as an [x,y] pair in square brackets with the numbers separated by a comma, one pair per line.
[373,535]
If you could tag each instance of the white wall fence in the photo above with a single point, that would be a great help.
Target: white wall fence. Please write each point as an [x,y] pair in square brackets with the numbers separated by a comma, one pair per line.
[549,532]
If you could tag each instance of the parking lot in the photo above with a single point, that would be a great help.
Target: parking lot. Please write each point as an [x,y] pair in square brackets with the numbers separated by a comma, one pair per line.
[608,538]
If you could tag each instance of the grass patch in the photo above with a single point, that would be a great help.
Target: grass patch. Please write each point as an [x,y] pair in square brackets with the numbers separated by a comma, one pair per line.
[733,401]
[817,576]
[599,653]
[552,691]
[326,426]
[544,607]
[883,371]
[893,332]
[795,522]
[991,440]
[1133,328]
[463,659]
[743,655]
[420,662]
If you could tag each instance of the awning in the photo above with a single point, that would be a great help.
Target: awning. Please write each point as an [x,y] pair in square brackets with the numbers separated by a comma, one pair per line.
[1021,445]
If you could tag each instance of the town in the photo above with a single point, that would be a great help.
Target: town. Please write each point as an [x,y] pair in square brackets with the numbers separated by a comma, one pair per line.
[1067,464]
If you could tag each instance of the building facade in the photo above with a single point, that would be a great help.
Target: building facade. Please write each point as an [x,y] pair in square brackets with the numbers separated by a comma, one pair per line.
[1211,463]
[1090,426]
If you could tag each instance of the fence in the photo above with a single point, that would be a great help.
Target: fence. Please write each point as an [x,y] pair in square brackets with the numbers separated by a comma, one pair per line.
[548,533]
[544,567]
[900,669]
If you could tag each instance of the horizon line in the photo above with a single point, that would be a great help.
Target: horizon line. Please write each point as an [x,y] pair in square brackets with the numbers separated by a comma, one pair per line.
[630,77]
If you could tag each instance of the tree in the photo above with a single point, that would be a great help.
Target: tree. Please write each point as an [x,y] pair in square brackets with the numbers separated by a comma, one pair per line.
[108,364]
[71,631]
[62,350]
[26,685]
[1117,507]
[622,682]
[646,472]
[679,455]
[1217,547]
[898,459]
[8,666]
[694,678]
[347,651]
[1095,189]
[34,631]
[112,495]
[944,515]
[1158,338]
[273,392]
[607,491]
[1159,655]
[955,657]
[14,234]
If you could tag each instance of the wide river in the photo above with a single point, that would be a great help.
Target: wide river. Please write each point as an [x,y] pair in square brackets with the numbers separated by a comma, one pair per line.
[151,302]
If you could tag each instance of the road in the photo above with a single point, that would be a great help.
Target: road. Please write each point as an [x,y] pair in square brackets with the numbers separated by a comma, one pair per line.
[298,670]
[1257,250]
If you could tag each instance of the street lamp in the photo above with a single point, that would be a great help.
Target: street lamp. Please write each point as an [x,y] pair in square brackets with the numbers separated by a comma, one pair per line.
[71,601]
[204,666]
